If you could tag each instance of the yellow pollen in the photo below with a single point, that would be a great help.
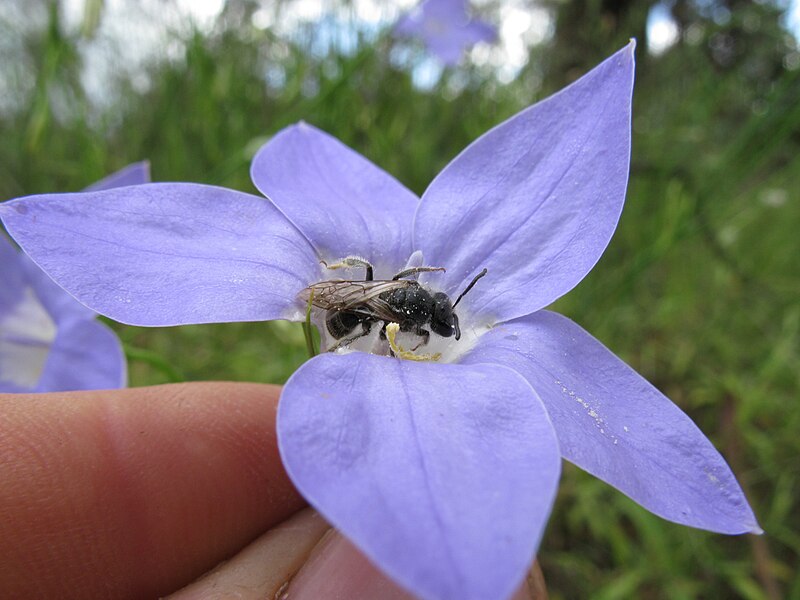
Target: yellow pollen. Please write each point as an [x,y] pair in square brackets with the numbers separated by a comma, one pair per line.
[391,335]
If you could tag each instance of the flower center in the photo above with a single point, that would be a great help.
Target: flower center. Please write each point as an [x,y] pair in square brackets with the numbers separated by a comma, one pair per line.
[392,317]
[26,333]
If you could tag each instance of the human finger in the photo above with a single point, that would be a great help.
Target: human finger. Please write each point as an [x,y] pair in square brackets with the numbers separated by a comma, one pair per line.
[134,493]
[263,568]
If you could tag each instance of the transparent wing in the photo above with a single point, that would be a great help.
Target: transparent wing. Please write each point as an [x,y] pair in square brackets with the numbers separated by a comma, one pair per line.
[347,295]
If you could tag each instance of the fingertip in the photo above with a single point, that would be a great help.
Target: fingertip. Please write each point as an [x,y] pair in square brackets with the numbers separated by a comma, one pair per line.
[262,569]
[337,569]
[135,491]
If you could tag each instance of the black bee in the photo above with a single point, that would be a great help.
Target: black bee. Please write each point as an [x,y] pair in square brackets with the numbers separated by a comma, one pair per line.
[397,300]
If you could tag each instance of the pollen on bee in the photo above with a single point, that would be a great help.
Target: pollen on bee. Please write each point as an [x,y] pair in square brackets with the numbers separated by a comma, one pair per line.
[391,335]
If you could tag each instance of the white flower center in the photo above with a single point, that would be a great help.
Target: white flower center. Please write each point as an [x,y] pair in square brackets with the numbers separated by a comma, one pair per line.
[26,334]
[371,307]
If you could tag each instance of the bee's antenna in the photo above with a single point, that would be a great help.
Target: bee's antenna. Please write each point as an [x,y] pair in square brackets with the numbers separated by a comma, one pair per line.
[470,286]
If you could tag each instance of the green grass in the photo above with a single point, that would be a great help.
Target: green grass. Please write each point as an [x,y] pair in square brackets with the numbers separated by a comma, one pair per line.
[698,290]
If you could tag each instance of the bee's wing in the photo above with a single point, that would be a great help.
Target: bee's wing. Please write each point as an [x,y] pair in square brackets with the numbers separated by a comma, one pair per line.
[346,295]
[371,292]
[330,294]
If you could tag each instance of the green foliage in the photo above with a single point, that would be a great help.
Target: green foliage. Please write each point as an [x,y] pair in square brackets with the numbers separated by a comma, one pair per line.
[698,289]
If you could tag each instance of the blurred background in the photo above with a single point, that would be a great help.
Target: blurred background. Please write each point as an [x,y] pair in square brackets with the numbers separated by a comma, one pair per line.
[698,290]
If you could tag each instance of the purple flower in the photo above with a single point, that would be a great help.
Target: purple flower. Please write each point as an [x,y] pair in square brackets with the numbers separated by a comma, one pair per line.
[445,27]
[48,341]
[443,473]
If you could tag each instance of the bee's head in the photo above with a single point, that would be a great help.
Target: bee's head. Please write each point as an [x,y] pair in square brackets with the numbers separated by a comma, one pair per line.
[444,321]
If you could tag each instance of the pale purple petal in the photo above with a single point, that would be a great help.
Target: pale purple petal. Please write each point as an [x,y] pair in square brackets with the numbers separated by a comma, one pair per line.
[536,199]
[58,303]
[431,16]
[26,328]
[447,46]
[133,174]
[443,475]
[12,275]
[445,28]
[407,25]
[86,355]
[453,10]
[479,31]
[342,202]
[167,253]
[613,423]
[11,388]
[48,340]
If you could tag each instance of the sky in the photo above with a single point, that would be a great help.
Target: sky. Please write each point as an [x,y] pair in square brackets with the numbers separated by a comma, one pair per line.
[793,18]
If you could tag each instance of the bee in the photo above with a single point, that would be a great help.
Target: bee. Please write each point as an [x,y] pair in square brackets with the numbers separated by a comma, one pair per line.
[354,304]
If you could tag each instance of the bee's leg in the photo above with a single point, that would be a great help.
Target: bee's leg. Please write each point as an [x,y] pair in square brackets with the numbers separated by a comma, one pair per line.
[382,336]
[424,334]
[352,261]
[413,270]
[366,327]
[400,352]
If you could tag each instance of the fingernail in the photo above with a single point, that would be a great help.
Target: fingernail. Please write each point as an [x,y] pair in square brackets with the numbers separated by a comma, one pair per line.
[336,570]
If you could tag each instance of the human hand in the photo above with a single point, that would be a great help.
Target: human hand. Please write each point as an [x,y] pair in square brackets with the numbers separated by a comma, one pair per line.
[137,493]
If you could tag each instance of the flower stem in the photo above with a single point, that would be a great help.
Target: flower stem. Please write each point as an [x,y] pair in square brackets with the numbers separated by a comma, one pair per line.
[310,346]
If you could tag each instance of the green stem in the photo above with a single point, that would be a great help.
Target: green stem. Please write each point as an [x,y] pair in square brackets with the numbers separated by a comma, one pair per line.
[312,351]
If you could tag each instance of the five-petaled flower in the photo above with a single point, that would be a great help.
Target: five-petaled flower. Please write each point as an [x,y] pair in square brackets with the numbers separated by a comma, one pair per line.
[445,27]
[48,341]
[443,473]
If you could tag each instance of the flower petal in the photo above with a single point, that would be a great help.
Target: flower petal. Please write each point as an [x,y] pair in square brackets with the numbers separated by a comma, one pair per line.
[450,45]
[439,14]
[443,475]
[26,327]
[445,27]
[614,424]
[480,31]
[58,303]
[336,197]
[86,355]
[407,25]
[13,276]
[133,174]
[167,253]
[22,361]
[535,199]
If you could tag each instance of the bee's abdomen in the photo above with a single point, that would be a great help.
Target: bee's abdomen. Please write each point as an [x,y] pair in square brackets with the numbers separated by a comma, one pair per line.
[341,322]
